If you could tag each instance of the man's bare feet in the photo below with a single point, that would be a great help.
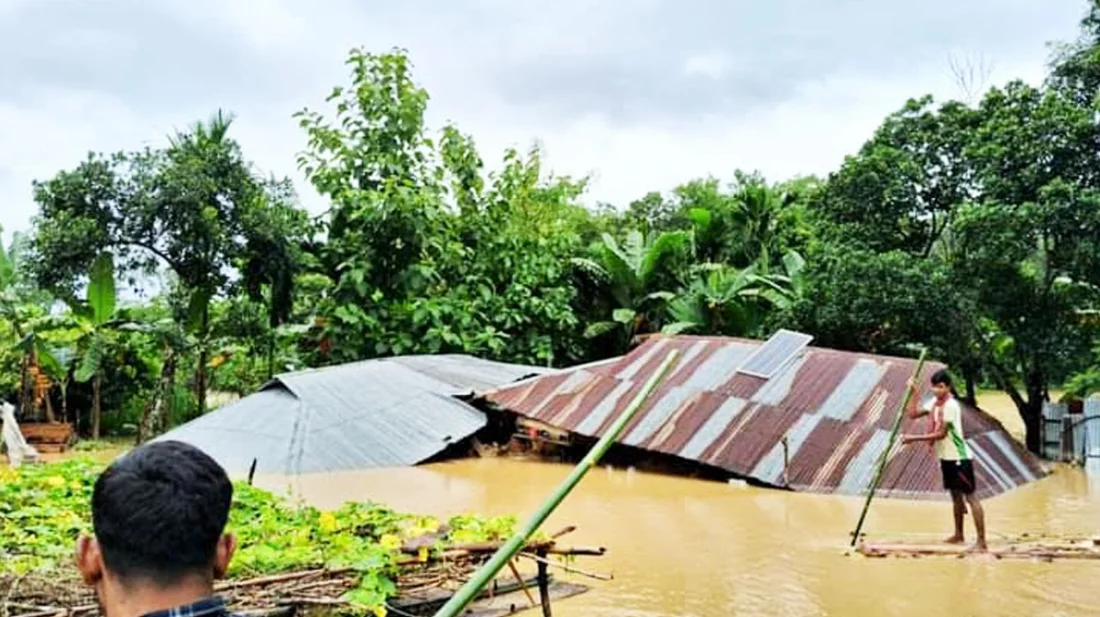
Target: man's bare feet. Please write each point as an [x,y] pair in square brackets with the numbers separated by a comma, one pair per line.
[954,540]
[978,547]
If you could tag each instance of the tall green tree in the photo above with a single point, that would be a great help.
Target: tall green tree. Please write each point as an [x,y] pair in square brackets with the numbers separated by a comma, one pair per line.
[1075,67]
[900,191]
[426,254]
[195,208]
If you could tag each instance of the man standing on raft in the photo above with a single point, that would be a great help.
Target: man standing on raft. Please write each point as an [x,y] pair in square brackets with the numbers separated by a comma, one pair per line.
[956,462]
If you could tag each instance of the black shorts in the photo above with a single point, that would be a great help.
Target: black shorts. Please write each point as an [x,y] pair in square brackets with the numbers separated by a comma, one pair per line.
[958,476]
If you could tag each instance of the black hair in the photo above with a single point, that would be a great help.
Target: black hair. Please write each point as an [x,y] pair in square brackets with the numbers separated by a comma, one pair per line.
[159,511]
[942,377]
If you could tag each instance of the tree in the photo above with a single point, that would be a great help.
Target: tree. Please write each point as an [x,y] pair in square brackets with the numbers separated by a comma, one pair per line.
[194,207]
[723,300]
[753,223]
[1029,247]
[636,275]
[273,257]
[172,341]
[373,163]
[900,191]
[96,315]
[22,307]
[424,253]
[1075,67]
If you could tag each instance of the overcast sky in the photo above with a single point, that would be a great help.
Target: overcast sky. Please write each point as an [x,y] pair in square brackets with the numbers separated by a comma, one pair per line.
[643,94]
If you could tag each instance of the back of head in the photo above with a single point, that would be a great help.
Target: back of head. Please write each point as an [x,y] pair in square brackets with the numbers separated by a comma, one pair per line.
[159,512]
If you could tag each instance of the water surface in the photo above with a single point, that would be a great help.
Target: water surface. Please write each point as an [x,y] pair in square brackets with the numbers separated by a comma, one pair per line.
[695,548]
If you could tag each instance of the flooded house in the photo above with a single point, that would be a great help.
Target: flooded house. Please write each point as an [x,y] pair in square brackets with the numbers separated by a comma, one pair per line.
[387,412]
[778,413]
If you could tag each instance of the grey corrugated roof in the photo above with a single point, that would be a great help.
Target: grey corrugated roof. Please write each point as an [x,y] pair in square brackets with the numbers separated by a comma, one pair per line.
[378,413]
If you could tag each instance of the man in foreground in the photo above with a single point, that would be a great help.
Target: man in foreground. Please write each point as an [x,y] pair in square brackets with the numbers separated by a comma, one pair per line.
[956,462]
[159,515]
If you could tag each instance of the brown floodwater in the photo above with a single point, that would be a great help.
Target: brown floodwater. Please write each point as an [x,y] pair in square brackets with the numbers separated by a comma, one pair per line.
[687,547]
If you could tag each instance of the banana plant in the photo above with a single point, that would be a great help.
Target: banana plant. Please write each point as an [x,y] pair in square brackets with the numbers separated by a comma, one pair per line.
[45,362]
[24,318]
[732,301]
[96,316]
[630,272]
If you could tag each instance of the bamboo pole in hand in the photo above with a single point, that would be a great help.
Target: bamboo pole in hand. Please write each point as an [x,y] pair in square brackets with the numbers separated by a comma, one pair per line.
[469,591]
[886,453]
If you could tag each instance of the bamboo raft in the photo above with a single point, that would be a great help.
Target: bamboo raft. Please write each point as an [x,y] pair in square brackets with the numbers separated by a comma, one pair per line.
[1023,547]
[421,586]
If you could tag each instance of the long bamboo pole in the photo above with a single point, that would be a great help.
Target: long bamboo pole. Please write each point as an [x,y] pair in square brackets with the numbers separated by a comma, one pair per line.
[467,592]
[886,453]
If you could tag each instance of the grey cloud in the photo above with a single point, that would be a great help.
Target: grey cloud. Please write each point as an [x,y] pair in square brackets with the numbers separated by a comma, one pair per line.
[773,48]
[554,61]
[135,50]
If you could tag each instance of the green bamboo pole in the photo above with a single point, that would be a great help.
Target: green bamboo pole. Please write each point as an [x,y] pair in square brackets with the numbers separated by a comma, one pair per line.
[467,592]
[886,453]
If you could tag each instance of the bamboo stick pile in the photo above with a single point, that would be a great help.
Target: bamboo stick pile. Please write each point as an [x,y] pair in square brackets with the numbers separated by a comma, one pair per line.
[63,594]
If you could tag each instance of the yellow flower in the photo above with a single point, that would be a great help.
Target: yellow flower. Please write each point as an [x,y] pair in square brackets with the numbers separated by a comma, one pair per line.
[390,542]
[55,481]
[429,524]
[380,611]
[328,522]
[422,554]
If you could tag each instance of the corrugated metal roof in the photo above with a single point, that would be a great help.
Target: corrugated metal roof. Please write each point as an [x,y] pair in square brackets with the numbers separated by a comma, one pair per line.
[377,413]
[835,409]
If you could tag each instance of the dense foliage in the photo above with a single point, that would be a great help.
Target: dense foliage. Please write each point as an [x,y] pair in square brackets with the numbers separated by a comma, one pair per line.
[972,228]
[44,508]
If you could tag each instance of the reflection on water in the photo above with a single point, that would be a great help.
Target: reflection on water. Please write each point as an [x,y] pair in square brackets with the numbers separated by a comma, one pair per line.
[683,547]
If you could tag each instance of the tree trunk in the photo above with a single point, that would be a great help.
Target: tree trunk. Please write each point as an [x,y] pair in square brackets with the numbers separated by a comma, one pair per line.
[200,375]
[160,423]
[65,402]
[26,389]
[76,413]
[969,378]
[271,355]
[50,417]
[152,418]
[1033,427]
[96,383]
[1032,412]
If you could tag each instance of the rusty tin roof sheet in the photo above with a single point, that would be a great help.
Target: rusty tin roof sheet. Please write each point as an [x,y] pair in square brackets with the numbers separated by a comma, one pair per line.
[834,408]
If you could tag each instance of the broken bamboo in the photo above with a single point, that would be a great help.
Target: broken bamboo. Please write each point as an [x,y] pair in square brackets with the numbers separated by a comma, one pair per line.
[468,591]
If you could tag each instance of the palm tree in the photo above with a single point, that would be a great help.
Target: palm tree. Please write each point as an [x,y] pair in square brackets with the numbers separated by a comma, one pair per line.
[632,273]
[759,207]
